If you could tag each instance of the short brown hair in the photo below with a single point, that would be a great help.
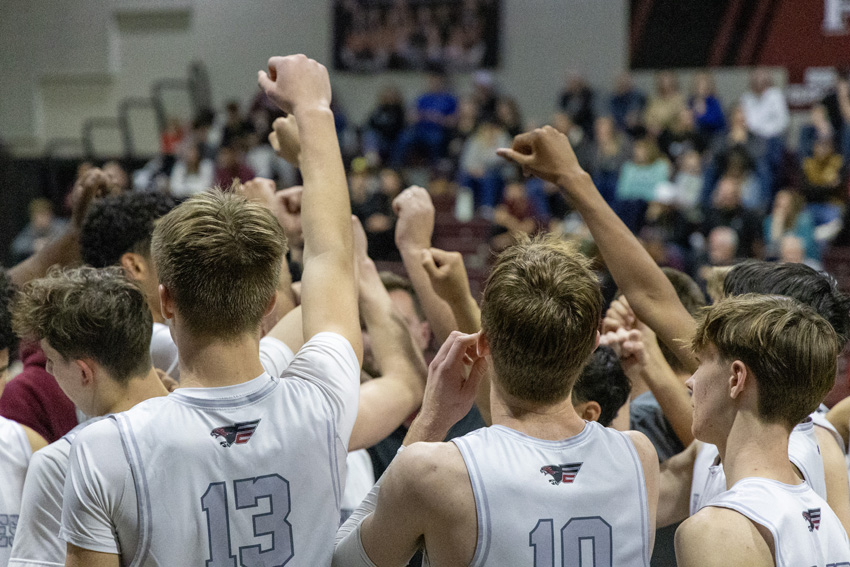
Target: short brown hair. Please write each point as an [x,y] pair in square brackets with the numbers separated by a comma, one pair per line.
[790,349]
[540,313]
[89,313]
[219,255]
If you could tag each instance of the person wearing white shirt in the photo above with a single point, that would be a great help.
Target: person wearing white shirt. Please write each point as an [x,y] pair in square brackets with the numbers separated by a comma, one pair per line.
[765,107]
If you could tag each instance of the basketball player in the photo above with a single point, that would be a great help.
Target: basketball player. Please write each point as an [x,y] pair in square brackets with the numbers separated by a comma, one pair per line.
[117,231]
[547,153]
[765,364]
[541,479]
[17,442]
[236,465]
[94,327]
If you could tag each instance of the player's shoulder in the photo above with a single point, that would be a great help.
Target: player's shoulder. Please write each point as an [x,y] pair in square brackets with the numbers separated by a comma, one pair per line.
[430,466]
[698,536]
[102,431]
[644,447]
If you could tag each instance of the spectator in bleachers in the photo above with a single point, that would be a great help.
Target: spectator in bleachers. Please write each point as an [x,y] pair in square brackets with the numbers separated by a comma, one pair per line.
[579,139]
[642,174]
[230,165]
[727,209]
[236,126]
[822,182]
[436,113]
[172,137]
[485,95]
[742,154]
[509,116]
[765,107]
[790,217]
[384,125]
[513,217]
[682,136]
[43,227]
[610,150]
[191,173]
[376,214]
[480,168]
[467,122]
[687,185]
[627,103]
[792,248]
[819,126]
[577,101]
[706,108]
[837,105]
[664,106]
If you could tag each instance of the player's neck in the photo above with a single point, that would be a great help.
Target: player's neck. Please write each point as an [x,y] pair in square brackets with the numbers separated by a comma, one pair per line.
[137,390]
[756,449]
[211,363]
[552,422]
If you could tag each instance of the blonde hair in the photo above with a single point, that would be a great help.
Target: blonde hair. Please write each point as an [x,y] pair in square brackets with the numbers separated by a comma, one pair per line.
[540,313]
[220,257]
[789,348]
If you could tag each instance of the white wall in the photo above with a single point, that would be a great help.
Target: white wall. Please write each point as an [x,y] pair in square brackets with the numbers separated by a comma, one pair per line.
[63,62]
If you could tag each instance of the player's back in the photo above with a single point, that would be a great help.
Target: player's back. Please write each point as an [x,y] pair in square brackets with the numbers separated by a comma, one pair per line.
[15,452]
[578,501]
[806,532]
[249,474]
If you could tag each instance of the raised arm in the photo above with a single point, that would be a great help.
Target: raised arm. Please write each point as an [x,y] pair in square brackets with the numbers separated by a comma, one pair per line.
[65,249]
[547,153]
[413,233]
[300,86]
[389,399]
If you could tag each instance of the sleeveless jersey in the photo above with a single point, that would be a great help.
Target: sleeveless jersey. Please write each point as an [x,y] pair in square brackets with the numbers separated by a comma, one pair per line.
[580,501]
[806,532]
[819,417]
[803,451]
[15,453]
[250,474]
[37,540]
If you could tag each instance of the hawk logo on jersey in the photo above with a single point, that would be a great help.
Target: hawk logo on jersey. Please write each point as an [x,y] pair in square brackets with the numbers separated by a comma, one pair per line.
[561,473]
[239,433]
[813,517]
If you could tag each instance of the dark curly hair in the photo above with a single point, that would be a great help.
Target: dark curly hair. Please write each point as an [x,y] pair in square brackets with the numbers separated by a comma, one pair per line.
[604,382]
[8,340]
[120,224]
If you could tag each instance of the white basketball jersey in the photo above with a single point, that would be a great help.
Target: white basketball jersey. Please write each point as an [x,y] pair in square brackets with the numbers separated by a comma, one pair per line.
[803,451]
[819,417]
[250,474]
[806,532]
[15,453]
[580,501]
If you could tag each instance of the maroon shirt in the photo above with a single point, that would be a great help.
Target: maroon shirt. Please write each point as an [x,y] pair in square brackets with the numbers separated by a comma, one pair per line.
[34,398]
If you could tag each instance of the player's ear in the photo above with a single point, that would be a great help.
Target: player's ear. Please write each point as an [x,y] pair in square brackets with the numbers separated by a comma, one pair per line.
[133,264]
[166,302]
[87,370]
[739,378]
[596,340]
[270,306]
[589,411]
[483,345]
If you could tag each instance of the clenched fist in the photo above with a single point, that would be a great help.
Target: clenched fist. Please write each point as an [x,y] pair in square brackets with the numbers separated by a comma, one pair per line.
[296,82]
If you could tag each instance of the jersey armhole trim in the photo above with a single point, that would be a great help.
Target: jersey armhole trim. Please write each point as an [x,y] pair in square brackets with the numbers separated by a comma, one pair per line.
[482,506]
[143,503]
[644,517]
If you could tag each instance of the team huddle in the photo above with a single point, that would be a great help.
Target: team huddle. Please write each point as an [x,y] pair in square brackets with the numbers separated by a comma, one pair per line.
[250,460]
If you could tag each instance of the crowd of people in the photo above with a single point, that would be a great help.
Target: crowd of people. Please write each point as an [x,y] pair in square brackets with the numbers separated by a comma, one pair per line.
[223,375]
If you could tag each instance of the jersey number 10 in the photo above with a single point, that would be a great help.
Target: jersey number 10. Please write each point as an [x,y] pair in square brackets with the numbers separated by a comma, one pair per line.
[585,542]
[248,491]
